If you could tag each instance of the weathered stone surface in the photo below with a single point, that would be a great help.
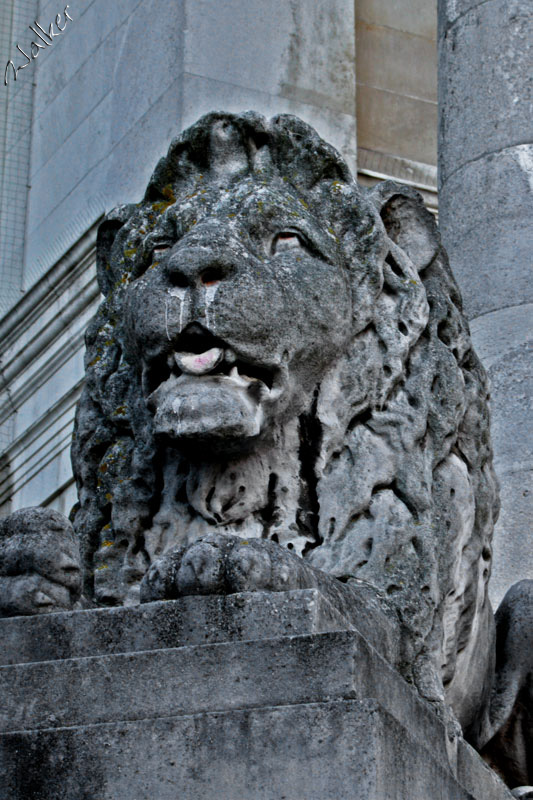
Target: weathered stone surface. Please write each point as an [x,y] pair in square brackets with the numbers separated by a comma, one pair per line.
[281,394]
[230,564]
[174,623]
[322,751]
[39,563]
[485,209]
[485,86]
[185,680]
[510,730]
[492,232]
[230,402]
[509,367]
[297,716]
[474,774]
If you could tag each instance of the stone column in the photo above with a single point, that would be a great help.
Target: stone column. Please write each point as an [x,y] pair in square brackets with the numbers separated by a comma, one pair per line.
[486,219]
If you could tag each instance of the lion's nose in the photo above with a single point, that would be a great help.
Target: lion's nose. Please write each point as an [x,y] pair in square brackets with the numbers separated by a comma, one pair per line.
[190,268]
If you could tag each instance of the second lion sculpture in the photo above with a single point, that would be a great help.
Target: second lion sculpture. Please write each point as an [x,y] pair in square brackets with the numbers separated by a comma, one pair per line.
[282,393]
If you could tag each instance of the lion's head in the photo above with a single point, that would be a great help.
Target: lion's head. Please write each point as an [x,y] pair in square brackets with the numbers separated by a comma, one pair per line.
[282,354]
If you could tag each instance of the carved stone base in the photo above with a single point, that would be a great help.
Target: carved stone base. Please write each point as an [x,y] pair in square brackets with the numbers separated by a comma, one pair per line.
[280,702]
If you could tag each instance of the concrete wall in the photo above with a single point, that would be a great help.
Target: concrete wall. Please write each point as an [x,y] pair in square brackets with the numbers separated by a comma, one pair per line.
[16,103]
[397,92]
[42,356]
[127,76]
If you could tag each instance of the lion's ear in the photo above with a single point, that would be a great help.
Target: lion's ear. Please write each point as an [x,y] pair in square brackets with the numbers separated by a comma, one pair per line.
[105,239]
[408,222]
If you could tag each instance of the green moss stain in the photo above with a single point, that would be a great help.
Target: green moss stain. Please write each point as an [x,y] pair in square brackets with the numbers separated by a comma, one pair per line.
[168,193]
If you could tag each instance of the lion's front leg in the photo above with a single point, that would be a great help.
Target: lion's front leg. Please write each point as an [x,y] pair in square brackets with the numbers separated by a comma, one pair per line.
[219,564]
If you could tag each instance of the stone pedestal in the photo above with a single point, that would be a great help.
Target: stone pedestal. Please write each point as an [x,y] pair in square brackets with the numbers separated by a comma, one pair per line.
[249,697]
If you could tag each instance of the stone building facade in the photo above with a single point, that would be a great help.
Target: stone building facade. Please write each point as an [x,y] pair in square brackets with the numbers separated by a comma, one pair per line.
[122,79]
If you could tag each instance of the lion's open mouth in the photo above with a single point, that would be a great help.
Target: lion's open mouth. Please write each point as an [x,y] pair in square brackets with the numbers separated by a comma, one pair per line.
[198,353]
[208,393]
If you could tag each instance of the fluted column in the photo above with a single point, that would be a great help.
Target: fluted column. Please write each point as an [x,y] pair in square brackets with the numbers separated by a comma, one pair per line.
[486,219]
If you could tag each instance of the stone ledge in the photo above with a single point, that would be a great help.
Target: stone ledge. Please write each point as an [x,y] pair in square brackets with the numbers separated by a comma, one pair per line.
[211,678]
[239,697]
[174,623]
[317,751]
[192,679]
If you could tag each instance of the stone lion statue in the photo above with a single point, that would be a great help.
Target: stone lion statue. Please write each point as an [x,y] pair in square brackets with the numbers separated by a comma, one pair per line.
[282,358]
[282,393]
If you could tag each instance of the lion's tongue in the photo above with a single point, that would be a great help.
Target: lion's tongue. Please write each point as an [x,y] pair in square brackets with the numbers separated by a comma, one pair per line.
[199,363]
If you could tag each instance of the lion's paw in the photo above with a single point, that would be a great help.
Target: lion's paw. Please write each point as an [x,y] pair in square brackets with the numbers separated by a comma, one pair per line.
[39,563]
[222,565]
[261,565]
[203,569]
[22,595]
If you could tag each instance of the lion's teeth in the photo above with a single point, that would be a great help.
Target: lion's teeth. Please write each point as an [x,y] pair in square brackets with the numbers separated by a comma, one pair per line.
[237,378]
[229,356]
[241,380]
[203,363]
[199,363]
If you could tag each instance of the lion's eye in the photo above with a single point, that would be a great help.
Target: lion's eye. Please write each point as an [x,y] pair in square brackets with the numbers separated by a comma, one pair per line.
[286,240]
